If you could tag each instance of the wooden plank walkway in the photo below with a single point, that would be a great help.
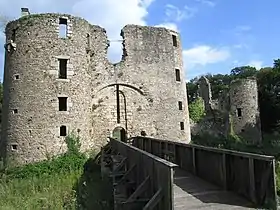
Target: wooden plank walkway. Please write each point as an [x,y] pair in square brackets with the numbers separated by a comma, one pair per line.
[191,192]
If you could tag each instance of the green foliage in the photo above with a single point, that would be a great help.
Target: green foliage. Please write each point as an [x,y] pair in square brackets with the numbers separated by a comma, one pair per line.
[268,79]
[32,193]
[72,160]
[69,181]
[196,109]
[73,144]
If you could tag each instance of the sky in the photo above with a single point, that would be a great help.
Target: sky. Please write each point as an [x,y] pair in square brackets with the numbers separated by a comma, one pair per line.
[217,35]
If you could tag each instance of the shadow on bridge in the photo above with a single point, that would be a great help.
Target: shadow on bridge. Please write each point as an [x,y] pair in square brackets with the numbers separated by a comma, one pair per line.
[250,176]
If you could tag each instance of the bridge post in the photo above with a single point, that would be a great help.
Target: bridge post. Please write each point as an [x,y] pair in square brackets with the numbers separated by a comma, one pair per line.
[252,180]
[224,171]
[194,160]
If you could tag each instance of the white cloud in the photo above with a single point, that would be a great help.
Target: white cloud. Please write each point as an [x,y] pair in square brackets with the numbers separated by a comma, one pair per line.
[112,15]
[256,63]
[171,26]
[207,2]
[175,14]
[203,55]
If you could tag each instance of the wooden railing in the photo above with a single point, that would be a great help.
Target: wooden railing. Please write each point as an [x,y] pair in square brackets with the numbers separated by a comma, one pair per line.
[152,176]
[250,175]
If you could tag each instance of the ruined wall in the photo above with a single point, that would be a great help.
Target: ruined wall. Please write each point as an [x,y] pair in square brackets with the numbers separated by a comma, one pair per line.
[150,64]
[244,109]
[147,76]
[205,93]
[151,94]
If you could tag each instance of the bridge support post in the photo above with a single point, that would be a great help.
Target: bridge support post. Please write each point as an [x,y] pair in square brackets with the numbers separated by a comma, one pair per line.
[194,161]
[224,171]
[252,180]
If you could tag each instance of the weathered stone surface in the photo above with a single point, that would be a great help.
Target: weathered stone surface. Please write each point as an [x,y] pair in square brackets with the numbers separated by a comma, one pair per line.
[146,72]
[244,109]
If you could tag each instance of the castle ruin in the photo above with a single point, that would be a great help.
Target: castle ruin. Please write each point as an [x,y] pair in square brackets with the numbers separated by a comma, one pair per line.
[237,110]
[57,81]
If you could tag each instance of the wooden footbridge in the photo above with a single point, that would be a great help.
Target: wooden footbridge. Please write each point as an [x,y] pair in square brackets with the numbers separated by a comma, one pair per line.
[157,174]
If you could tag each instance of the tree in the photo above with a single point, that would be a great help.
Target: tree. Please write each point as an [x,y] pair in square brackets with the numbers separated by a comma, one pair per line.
[269,96]
[243,72]
[268,79]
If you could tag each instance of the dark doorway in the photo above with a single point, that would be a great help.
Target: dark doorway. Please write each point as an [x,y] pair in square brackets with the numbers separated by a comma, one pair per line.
[119,134]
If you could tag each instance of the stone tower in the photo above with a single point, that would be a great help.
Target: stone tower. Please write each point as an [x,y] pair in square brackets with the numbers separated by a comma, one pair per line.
[57,79]
[244,109]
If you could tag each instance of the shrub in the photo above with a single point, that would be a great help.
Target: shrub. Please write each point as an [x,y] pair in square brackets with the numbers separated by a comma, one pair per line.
[72,160]
[196,110]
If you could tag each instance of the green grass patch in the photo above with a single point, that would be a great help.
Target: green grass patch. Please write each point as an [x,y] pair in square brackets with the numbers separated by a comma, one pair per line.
[69,181]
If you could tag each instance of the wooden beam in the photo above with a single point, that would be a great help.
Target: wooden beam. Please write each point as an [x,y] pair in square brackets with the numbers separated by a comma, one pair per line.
[126,174]
[121,164]
[138,204]
[140,189]
[154,200]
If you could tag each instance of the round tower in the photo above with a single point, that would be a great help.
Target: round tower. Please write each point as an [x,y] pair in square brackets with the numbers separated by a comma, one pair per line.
[244,109]
[47,91]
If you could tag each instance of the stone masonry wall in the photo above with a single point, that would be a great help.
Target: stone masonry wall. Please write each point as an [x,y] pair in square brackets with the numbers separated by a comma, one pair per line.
[31,117]
[244,109]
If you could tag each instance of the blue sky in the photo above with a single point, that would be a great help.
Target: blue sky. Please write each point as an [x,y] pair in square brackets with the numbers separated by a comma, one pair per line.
[217,35]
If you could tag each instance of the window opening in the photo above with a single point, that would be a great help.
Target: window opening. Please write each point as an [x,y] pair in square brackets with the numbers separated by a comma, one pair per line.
[16,77]
[174,40]
[62,68]
[180,104]
[15,111]
[177,72]
[88,41]
[239,112]
[14,147]
[62,27]
[62,101]
[182,125]
[63,130]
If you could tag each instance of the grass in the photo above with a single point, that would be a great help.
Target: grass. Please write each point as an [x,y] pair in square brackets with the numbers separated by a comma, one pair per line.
[81,188]
[70,181]
[53,192]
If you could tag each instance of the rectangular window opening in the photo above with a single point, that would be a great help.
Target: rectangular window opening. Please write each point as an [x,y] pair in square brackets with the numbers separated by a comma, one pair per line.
[177,72]
[180,104]
[174,40]
[14,147]
[182,125]
[62,101]
[239,112]
[62,68]
[63,130]
[62,27]
[16,77]
[15,111]
[88,40]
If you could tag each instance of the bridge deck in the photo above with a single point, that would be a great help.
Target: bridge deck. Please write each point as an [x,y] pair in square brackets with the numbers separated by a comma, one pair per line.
[191,192]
